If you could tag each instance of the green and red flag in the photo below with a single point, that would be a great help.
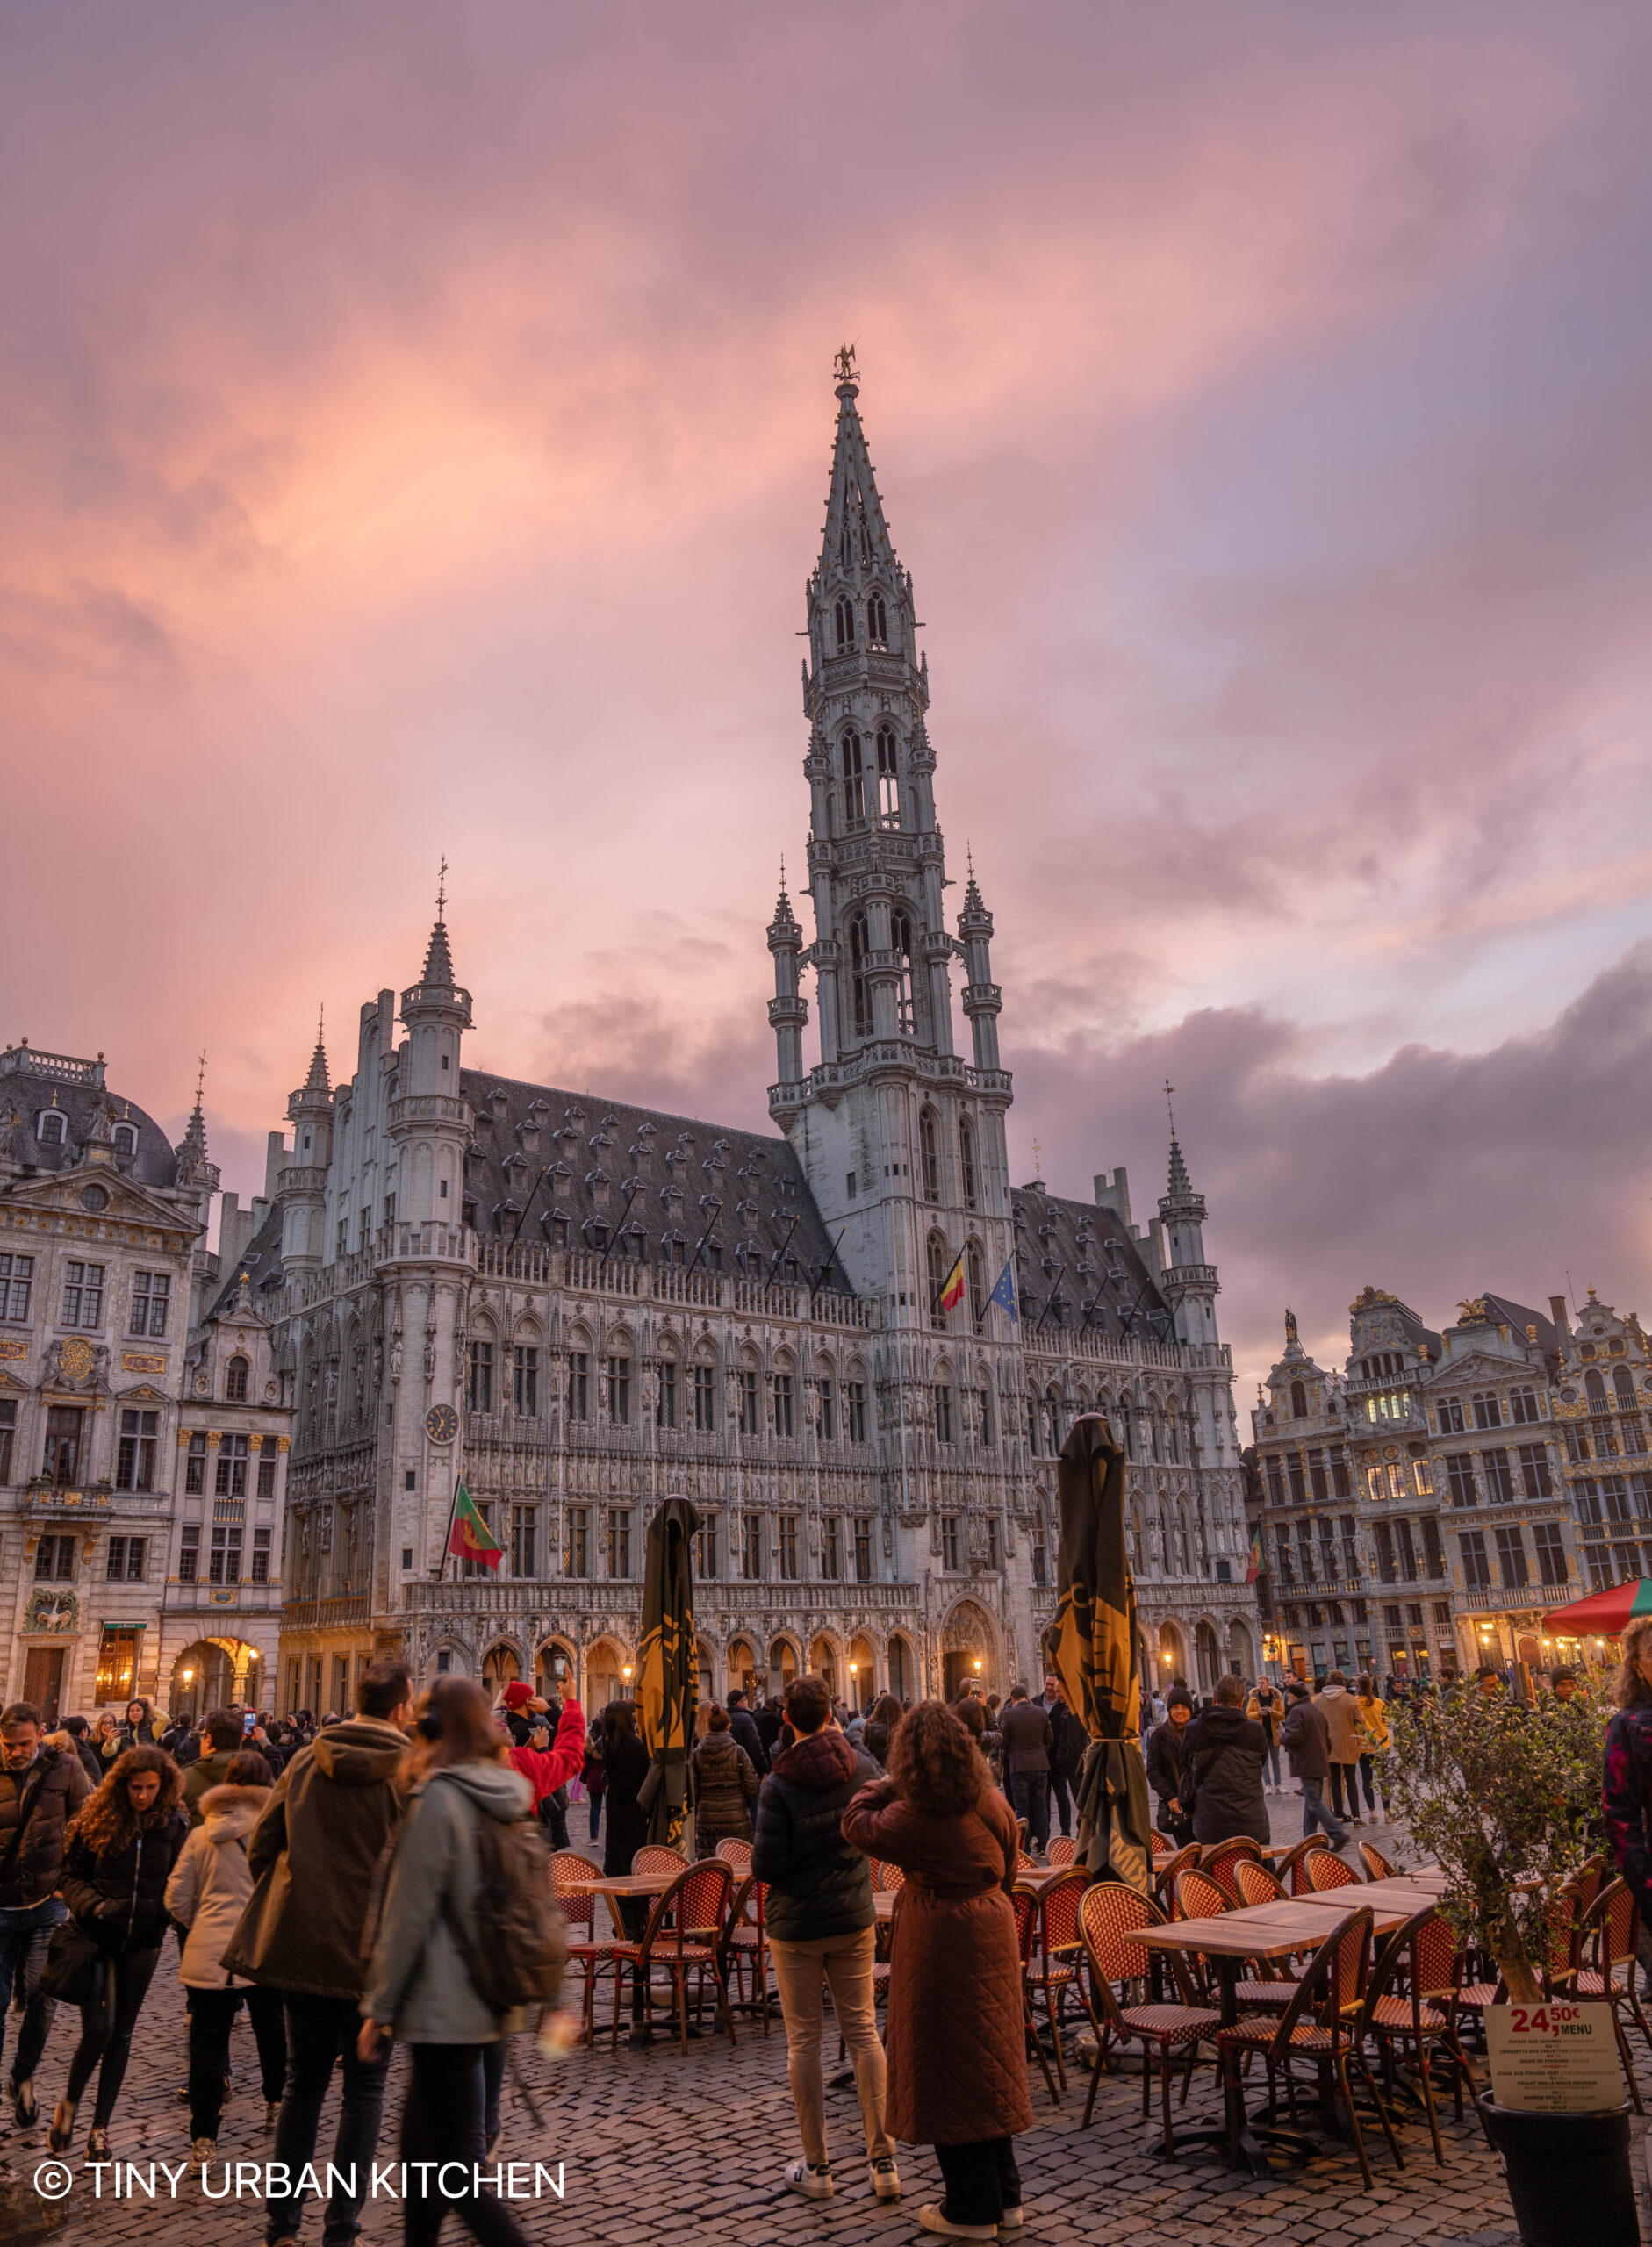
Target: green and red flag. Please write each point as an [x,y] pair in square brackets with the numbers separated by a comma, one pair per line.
[470,1538]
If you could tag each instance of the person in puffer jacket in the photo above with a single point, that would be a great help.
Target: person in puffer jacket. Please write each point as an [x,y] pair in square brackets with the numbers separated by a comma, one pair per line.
[211,1886]
[822,1930]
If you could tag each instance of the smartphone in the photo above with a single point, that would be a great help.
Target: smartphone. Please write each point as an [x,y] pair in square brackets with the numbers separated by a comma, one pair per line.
[248,1722]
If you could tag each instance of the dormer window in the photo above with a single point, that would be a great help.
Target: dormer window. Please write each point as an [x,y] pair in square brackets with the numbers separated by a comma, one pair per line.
[51,1128]
[125,1141]
[235,1380]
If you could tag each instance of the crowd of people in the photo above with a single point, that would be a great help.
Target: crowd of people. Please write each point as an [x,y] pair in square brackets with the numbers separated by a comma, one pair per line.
[359,1884]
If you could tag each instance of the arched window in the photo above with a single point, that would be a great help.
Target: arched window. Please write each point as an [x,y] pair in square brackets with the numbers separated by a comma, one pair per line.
[930,1155]
[854,782]
[1594,1388]
[844,617]
[940,1264]
[235,1380]
[1052,1409]
[877,621]
[889,779]
[967,1162]
[1298,1400]
[126,1141]
[859,989]
[900,943]
[977,1288]
[1623,1381]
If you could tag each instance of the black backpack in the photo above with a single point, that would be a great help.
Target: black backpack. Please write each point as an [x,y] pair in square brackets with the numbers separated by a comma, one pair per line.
[520,1960]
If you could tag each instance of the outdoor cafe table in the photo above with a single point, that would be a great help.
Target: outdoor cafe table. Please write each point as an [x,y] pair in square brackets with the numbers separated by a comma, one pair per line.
[1279,1930]
[614,1886]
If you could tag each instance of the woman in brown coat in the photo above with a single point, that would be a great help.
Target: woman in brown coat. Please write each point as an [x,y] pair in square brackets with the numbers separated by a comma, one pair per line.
[956,2044]
[725,1786]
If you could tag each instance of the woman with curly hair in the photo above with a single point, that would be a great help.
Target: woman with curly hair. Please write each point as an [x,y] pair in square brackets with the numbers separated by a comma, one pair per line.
[1627,1796]
[121,1851]
[955,2039]
[883,1717]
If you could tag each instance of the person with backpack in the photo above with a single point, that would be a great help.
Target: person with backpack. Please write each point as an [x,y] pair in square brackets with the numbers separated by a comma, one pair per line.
[211,1886]
[313,1855]
[469,1934]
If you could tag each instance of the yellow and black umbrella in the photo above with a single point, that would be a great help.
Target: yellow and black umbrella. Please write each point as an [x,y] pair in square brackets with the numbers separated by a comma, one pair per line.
[668,1675]
[1091,1647]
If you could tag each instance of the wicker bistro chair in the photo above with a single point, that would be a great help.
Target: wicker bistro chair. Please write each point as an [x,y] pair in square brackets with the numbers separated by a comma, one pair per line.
[1325,1871]
[1289,1867]
[1256,1884]
[1321,2024]
[1026,1910]
[1609,1937]
[1062,1851]
[886,1876]
[746,1942]
[1200,1897]
[1168,1870]
[1408,2005]
[569,1876]
[654,1856]
[1054,1971]
[736,1854]
[1109,1913]
[1222,1862]
[1378,1867]
[684,1936]
[1161,1843]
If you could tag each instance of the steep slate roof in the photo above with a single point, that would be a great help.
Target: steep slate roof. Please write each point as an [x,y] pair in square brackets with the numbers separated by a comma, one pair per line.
[1089,1242]
[260,1260]
[25,1094]
[585,1140]
[1520,1318]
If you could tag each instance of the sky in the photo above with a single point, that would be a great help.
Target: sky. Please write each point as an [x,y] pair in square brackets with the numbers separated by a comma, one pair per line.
[414,425]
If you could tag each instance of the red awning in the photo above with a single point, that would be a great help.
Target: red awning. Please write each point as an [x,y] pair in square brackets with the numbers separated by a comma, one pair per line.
[1604,1613]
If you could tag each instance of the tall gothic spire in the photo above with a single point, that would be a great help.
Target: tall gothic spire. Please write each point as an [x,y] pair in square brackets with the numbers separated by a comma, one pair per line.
[438,959]
[857,537]
[317,1080]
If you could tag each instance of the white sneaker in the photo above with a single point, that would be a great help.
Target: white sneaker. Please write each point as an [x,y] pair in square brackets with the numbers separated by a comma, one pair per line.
[1011,2220]
[814,2184]
[886,2178]
[930,2218]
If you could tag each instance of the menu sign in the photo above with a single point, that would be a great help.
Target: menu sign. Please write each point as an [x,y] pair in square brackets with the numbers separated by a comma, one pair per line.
[1561,2057]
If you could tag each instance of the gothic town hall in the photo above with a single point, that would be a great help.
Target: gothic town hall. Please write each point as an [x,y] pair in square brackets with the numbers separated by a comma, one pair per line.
[579,1307]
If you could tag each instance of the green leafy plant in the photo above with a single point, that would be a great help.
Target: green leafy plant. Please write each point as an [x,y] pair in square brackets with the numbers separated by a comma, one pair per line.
[1506,1799]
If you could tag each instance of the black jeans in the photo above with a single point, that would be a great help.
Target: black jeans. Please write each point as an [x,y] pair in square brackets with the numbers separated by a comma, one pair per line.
[981,2180]
[25,1935]
[211,2015]
[1344,1774]
[441,2122]
[1029,1798]
[105,2030]
[1061,1795]
[553,1814]
[321,2033]
[493,2057]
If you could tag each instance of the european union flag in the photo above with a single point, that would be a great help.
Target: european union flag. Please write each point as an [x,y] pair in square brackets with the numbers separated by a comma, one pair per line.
[1004,1292]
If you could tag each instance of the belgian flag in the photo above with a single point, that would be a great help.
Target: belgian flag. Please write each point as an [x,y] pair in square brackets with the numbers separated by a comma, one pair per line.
[1091,1647]
[668,1676]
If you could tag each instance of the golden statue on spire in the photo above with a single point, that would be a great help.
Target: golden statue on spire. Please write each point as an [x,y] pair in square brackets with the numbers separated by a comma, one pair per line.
[844,364]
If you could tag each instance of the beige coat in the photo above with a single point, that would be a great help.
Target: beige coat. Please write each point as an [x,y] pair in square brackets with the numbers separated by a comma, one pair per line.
[1341,1712]
[212,1882]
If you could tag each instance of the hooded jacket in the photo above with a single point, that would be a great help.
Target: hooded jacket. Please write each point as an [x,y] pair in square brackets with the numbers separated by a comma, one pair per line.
[743,1726]
[820,1883]
[725,1781]
[206,1771]
[313,1855]
[36,1804]
[1226,1755]
[418,1980]
[212,1882]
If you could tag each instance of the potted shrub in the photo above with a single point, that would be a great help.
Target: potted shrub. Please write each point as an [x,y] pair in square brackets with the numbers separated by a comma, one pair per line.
[1505,1798]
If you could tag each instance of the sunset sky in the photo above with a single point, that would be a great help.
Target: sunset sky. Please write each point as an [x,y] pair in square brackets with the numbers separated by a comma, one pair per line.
[414,423]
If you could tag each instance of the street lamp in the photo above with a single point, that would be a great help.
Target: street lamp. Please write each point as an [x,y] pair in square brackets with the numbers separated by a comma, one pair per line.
[854,1684]
[625,1671]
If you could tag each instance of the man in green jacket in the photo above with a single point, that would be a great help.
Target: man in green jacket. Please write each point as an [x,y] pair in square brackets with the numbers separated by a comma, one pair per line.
[314,1855]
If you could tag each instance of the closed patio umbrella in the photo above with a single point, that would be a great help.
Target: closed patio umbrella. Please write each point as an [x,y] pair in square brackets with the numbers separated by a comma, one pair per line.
[668,1675]
[1091,1647]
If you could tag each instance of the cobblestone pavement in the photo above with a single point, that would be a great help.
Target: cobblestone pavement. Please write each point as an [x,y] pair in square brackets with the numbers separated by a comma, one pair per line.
[654,2147]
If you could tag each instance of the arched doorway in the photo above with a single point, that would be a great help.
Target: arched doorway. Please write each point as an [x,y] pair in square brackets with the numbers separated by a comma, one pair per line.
[863,1672]
[1173,1655]
[783,1665]
[605,1674]
[555,1669]
[742,1667]
[499,1668]
[903,1666]
[824,1661]
[1241,1655]
[1207,1655]
[968,1651]
[215,1674]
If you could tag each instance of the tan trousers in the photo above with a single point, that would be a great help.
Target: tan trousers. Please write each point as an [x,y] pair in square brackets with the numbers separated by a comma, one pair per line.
[802,1972]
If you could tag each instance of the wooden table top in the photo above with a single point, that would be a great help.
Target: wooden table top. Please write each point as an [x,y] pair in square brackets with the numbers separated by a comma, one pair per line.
[630,1883]
[1225,1938]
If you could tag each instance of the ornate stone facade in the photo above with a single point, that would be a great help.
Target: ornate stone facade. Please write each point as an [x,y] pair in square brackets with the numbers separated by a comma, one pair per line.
[580,1307]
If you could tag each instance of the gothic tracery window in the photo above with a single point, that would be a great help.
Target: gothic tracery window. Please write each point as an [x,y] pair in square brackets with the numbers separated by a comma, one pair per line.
[889,779]
[967,1161]
[859,989]
[843,618]
[930,1155]
[877,621]
[854,782]
[900,943]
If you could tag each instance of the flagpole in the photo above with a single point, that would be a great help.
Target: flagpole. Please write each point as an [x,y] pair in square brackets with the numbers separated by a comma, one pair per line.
[446,1542]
